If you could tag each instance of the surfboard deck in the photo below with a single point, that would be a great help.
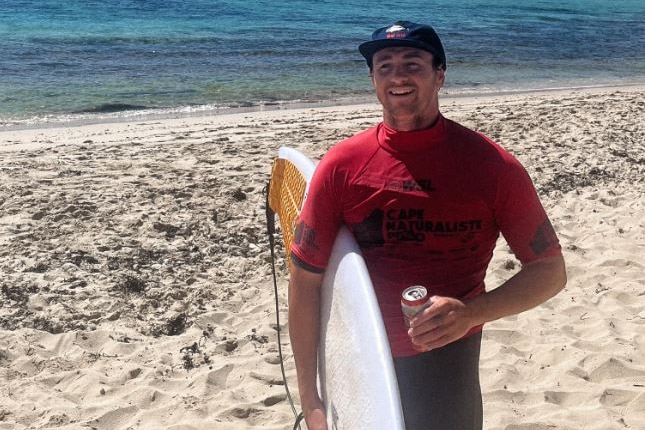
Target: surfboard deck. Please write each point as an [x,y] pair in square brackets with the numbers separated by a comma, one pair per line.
[355,368]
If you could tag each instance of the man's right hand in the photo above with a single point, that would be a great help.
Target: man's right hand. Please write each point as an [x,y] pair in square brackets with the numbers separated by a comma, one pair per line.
[315,416]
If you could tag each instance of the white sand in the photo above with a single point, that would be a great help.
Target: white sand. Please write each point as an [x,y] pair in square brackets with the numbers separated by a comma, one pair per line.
[135,277]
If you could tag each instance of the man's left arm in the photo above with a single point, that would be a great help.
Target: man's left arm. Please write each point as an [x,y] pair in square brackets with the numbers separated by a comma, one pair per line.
[448,319]
[528,231]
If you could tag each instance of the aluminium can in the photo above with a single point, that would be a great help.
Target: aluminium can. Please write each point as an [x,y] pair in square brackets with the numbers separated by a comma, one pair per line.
[414,299]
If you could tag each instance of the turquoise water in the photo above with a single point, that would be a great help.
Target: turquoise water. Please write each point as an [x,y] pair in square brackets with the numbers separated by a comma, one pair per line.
[89,57]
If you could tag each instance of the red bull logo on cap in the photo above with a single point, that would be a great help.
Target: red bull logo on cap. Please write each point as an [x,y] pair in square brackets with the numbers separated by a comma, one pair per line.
[396,31]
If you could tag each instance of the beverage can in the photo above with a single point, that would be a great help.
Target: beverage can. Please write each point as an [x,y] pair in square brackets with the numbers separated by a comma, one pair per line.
[414,299]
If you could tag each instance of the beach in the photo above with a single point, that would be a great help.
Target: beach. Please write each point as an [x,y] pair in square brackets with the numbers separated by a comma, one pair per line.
[135,272]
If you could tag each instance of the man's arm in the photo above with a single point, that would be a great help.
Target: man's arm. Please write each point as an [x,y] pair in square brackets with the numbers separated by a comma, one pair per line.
[304,331]
[449,319]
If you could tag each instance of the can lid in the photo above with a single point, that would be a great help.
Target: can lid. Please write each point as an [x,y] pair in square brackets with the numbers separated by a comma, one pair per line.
[414,295]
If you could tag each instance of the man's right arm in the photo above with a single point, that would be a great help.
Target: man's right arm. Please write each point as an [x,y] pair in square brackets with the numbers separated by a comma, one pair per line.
[304,332]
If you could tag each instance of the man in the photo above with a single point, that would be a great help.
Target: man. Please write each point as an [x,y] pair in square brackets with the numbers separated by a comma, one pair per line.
[426,199]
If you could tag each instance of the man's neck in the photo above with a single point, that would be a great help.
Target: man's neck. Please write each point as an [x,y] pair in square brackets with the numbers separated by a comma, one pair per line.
[410,123]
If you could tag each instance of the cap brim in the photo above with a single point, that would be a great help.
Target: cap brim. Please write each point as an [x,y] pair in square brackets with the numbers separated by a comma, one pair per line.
[368,49]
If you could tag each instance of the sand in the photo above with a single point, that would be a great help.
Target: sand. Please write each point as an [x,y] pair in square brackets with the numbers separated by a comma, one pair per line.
[136,286]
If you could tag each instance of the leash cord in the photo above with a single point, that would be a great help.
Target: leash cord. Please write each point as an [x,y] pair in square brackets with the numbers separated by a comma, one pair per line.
[270,215]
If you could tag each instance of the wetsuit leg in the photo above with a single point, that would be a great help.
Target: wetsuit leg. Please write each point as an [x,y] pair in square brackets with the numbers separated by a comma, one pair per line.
[440,389]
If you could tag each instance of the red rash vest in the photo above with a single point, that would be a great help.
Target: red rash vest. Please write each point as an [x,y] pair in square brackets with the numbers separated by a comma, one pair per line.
[426,208]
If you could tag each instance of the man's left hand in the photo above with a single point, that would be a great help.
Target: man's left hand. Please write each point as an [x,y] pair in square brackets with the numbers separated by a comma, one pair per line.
[445,321]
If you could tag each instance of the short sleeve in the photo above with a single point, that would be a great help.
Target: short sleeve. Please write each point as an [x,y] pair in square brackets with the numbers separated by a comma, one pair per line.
[320,218]
[521,217]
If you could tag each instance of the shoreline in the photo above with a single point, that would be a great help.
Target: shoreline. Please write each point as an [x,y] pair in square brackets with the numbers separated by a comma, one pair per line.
[126,116]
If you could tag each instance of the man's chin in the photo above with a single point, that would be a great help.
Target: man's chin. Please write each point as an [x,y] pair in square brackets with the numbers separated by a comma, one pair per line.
[401,111]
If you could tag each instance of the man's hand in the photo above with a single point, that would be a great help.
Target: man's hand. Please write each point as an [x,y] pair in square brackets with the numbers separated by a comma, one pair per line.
[315,416]
[445,321]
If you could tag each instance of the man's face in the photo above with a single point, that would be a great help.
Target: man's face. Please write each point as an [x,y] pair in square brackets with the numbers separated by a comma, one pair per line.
[407,84]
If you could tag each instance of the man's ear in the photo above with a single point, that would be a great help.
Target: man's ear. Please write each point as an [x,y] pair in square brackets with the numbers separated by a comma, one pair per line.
[442,77]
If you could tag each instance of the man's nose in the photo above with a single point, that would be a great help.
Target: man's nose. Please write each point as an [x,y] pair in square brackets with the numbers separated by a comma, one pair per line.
[399,72]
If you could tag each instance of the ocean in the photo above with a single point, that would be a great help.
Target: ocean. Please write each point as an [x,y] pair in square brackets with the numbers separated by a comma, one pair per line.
[92,58]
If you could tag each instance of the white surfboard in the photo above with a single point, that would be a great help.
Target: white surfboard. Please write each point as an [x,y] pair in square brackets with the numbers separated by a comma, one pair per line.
[356,372]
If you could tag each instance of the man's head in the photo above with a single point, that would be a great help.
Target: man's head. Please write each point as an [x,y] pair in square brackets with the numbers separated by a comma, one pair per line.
[405,33]
[407,65]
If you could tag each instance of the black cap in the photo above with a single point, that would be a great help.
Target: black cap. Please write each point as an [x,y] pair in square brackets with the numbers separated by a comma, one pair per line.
[404,33]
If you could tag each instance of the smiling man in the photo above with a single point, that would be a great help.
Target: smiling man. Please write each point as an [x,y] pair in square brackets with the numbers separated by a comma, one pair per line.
[426,200]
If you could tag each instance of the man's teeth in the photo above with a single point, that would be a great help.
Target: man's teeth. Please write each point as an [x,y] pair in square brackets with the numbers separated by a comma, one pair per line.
[400,92]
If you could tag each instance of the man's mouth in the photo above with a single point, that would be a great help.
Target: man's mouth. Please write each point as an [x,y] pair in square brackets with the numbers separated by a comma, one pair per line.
[401,91]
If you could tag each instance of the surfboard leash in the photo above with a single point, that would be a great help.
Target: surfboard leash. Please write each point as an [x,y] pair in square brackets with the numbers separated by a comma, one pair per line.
[270,216]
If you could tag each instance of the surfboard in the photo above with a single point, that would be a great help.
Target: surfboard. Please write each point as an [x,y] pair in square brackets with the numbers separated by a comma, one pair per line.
[355,368]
